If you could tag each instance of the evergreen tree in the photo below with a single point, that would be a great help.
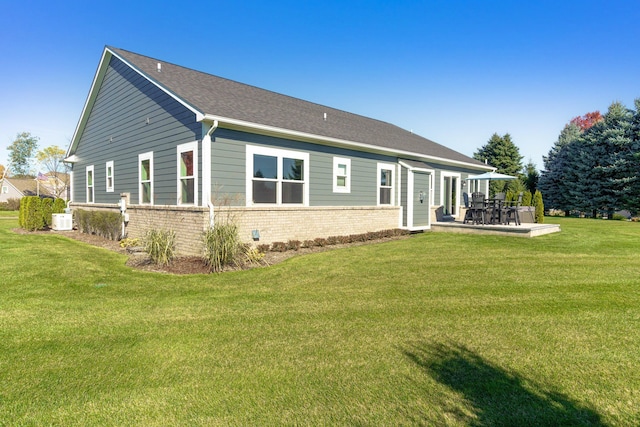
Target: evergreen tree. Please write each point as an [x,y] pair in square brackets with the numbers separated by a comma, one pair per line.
[531,177]
[501,153]
[612,170]
[632,192]
[555,179]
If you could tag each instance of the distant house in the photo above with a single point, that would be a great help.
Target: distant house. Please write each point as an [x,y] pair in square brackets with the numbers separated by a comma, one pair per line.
[17,188]
[183,149]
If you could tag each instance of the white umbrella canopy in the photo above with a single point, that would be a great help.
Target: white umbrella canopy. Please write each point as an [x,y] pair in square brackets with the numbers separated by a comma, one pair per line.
[491,175]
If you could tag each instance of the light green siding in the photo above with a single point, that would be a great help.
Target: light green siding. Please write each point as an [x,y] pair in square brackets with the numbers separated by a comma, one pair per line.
[421,210]
[228,158]
[118,130]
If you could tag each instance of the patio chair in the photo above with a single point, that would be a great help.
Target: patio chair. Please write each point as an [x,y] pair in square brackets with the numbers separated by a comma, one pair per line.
[478,208]
[497,205]
[510,210]
[467,215]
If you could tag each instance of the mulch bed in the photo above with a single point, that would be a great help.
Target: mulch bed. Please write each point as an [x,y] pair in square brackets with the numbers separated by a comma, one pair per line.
[189,264]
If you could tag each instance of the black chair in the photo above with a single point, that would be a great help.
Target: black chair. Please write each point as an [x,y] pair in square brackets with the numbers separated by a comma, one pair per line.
[510,210]
[468,214]
[497,205]
[478,208]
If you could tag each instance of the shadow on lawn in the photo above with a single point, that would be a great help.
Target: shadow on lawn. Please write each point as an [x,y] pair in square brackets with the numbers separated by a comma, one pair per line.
[494,396]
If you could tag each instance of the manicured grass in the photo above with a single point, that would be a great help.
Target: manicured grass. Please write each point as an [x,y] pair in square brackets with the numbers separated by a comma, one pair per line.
[438,329]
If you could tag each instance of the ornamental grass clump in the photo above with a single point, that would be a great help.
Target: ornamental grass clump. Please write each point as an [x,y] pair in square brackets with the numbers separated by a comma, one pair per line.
[160,245]
[221,245]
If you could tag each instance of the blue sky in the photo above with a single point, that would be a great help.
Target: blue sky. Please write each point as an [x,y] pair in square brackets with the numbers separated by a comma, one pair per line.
[452,71]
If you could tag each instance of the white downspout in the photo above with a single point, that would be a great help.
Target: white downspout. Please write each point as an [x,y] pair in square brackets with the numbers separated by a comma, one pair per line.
[206,172]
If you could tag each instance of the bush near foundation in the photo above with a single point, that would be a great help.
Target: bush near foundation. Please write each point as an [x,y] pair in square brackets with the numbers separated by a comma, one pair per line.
[101,223]
[160,245]
[320,242]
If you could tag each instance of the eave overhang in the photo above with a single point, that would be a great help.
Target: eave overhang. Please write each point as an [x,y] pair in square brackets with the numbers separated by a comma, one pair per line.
[257,128]
[243,125]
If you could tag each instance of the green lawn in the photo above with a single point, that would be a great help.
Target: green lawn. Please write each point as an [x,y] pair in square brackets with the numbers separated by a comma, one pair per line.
[439,329]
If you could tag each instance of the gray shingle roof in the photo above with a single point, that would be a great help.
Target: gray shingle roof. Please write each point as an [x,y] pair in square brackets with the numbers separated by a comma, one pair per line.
[212,95]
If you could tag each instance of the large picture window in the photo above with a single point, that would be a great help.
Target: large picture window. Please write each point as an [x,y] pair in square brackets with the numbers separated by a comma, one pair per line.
[145,176]
[90,186]
[386,178]
[276,176]
[188,174]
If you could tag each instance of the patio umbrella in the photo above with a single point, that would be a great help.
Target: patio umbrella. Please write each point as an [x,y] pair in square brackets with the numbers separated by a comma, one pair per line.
[490,176]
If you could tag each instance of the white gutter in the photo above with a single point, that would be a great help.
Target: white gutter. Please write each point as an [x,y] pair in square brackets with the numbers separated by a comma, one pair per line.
[206,172]
[277,131]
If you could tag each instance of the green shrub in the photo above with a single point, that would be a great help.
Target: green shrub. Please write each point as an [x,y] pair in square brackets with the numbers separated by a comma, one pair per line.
[111,225]
[31,213]
[82,220]
[160,245]
[47,210]
[59,205]
[107,224]
[539,206]
[527,198]
[221,245]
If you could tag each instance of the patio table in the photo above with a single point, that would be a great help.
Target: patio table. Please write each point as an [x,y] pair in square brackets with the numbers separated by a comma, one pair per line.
[494,210]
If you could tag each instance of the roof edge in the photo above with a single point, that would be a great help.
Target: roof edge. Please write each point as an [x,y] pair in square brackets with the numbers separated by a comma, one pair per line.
[261,129]
[98,78]
[91,98]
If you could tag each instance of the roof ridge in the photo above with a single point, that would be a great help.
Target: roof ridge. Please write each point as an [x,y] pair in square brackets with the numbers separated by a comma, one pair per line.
[208,94]
[295,98]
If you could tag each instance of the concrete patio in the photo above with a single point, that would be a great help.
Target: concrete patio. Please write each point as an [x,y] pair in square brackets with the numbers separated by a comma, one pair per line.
[523,230]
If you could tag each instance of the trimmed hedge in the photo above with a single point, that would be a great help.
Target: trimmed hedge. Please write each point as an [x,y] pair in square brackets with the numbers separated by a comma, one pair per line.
[101,223]
[35,213]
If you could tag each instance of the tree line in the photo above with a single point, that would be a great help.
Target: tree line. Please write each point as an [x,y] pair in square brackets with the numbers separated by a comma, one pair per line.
[594,166]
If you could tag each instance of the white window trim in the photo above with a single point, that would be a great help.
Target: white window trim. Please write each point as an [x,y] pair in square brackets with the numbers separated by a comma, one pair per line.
[5,189]
[279,154]
[336,173]
[108,165]
[459,190]
[93,184]
[141,157]
[189,146]
[392,168]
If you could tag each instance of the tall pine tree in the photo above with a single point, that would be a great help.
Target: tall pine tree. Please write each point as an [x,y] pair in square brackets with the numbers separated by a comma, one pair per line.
[501,153]
[554,179]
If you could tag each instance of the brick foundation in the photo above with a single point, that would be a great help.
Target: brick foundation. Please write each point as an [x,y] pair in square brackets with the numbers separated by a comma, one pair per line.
[273,224]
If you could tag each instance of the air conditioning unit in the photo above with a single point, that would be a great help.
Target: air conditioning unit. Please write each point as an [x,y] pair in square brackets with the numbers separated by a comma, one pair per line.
[62,222]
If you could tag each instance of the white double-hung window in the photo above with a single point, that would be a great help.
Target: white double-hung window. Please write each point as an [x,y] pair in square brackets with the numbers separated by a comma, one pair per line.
[109,171]
[188,174]
[145,177]
[90,185]
[386,179]
[277,177]
[341,175]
